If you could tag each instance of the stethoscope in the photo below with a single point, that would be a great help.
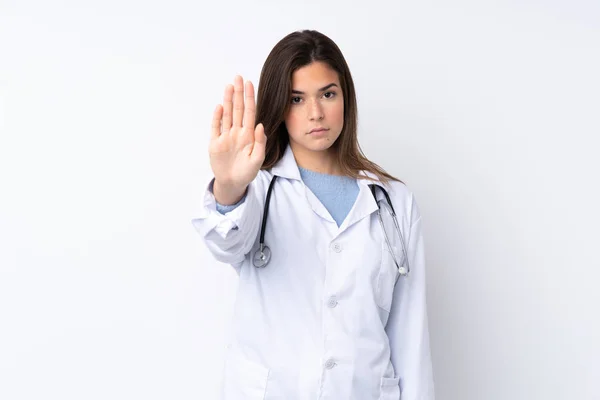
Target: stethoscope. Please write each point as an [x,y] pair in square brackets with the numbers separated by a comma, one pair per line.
[262,256]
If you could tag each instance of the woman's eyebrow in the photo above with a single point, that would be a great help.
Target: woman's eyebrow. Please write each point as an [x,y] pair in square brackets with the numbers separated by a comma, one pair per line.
[320,90]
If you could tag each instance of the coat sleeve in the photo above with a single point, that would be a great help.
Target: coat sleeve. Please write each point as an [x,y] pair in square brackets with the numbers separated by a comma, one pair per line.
[407,326]
[230,236]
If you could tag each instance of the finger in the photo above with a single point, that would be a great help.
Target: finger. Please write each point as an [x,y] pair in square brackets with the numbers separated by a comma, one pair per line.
[260,143]
[215,130]
[238,101]
[227,108]
[250,106]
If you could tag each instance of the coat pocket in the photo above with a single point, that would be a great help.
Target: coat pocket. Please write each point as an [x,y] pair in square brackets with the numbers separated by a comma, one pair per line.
[390,389]
[244,379]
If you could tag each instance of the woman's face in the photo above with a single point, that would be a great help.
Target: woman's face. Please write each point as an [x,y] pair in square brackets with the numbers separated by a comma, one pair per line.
[317,102]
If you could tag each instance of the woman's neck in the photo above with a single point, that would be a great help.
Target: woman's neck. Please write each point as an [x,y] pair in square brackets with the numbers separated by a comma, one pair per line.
[323,162]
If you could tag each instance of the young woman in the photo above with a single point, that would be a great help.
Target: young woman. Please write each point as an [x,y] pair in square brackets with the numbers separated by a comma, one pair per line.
[331,296]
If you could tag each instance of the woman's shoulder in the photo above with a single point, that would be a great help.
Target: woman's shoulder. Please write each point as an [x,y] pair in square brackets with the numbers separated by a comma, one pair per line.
[397,190]
[404,198]
[401,196]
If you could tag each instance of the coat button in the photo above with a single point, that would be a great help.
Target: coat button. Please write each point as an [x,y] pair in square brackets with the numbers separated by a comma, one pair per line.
[336,247]
[332,302]
[329,364]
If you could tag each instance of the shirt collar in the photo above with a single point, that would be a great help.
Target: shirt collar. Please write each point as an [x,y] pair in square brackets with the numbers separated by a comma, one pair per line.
[287,167]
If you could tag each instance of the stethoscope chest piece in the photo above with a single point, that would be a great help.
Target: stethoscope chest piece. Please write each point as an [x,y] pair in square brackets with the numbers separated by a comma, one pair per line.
[262,256]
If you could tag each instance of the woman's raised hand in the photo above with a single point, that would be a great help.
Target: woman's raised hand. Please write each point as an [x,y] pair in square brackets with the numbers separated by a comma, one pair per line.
[237,146]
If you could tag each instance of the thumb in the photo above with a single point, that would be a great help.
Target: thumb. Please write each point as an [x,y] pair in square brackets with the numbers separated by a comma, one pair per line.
[260,143]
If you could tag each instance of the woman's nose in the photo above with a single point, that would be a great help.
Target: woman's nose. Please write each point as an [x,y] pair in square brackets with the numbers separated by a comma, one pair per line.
[315,111]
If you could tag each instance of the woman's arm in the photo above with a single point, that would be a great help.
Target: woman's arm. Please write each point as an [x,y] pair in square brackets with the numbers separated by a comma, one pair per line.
[230,236]
[407,326]
[237,151]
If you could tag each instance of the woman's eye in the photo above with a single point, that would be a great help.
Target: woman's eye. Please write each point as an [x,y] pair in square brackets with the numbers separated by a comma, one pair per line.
[329,95]
[296,100]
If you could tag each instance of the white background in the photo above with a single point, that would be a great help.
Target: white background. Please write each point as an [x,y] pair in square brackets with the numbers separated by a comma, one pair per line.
[489,111]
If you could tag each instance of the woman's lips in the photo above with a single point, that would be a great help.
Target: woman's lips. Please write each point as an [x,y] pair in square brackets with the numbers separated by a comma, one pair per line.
[318,131]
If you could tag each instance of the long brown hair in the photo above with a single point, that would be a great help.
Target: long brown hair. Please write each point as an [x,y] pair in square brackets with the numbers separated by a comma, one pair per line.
[294,51]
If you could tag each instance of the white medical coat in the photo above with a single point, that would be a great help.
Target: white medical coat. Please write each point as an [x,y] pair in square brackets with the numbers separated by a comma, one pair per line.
[327,318]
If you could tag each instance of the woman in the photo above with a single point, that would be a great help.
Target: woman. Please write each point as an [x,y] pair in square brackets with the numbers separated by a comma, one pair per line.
[334,306]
